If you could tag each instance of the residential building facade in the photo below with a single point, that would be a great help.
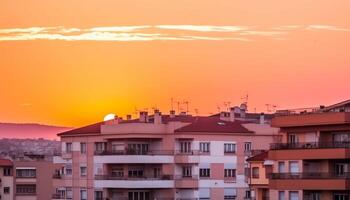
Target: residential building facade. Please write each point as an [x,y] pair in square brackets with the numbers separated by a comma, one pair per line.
[162,157]
[312,160]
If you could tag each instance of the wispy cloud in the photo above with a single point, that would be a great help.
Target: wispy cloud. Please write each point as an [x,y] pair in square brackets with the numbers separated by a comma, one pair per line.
[202,28]
[327,28]
[158,32]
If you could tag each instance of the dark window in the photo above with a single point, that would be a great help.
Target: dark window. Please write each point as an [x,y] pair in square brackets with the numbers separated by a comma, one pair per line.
[6,190]
[229,148]
[26,189]
[83,148]
[204,147]
[7,171]
[255,172]
[98,195]
[204,172]
[230,173]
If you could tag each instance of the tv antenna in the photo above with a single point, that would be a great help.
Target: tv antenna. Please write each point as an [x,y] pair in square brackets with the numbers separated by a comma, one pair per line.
[186,103]
[245,99]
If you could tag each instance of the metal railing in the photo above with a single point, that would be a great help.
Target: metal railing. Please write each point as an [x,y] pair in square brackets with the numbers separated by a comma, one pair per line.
[191,152]
[310,175]
[136,178]
[309,145]
[182,177]
[134,152]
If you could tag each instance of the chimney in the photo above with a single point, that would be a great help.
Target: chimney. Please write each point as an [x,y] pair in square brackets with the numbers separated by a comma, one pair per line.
[143,116]
[128,117]
[232,114]
[172,113]
[262,118]
[183,113]
[157,117]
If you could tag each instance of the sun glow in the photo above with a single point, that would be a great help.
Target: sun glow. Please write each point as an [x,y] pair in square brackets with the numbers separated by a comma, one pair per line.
[109,117]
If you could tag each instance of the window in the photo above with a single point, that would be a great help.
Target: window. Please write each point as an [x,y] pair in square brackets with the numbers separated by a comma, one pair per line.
[26,189]
[69,170]
[247,194]
[292,139]
[26,173]
[83,171]
[204,193]
[69,147]
[255,172]
[293,167]
[281,167]
[135,172]
[340,169]
[230,173]
[341,196]
[7,171]
[99,147]
[98,195]
[186,171]
[281,195]
[83,148]
[204,172]
[204,147]
[117,172]
[185,147]
[69,193]
[138,149]
[293,195]
[139,195]
[229,148]
[230,193]
[83,194]
[6,190]
[247,146]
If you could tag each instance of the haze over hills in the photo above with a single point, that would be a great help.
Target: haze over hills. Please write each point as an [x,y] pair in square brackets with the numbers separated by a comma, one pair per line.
[29,130]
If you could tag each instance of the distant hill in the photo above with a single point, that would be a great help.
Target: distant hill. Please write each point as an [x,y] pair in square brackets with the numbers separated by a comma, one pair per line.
[17,130]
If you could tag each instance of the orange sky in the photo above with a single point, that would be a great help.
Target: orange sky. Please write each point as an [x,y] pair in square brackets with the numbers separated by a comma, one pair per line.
[288,53]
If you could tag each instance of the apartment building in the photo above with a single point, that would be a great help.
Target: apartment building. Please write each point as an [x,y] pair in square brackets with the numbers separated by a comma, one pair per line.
[6,179]
[312,160]
[260,168]
[162,156]
[26,178]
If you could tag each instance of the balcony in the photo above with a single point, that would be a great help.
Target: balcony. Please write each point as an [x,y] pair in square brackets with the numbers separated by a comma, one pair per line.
[132,156]
[309,150]
[108,181]
[309,181]
[311,119]
[186,182]
[57,197]
[187,157]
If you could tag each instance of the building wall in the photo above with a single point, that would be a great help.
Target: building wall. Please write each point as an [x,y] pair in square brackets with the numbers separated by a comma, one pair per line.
[6,181]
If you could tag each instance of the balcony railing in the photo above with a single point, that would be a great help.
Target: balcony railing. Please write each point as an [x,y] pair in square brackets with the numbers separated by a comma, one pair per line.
[110,177]
[182,177]
[309,145]
[310,175]
[192,152]
[134,152]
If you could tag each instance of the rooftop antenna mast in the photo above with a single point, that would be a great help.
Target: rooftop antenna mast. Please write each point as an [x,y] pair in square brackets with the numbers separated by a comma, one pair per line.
[245,99]
[227,105]
[172,103]
[268,107]
[186,103]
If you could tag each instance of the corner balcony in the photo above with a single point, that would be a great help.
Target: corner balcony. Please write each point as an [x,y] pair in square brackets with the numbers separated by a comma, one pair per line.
[311,119]
[309,181]
[187,157]
[309,150]
[128,156]
[108,181]
[186,182]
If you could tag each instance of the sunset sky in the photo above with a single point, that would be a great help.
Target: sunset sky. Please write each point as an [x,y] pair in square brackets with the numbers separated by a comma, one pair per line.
[69,63]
